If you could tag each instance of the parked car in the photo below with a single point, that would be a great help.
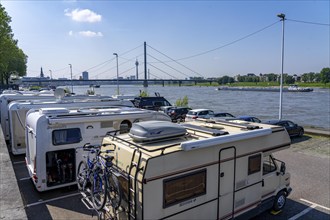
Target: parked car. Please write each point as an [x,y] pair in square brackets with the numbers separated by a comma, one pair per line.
[151,103]
[199,113]
[223,116]
[249,118]
[292,128]
[178,113]
[165,109]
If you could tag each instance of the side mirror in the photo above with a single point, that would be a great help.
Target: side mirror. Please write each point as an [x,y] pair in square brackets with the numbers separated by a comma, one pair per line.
[282,168]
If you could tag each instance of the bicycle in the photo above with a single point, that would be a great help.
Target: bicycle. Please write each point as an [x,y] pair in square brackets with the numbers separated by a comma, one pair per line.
[97,177]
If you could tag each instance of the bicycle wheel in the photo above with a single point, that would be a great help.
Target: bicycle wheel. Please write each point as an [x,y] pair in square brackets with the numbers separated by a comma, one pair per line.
[99,190]
[82,175]
[114,191]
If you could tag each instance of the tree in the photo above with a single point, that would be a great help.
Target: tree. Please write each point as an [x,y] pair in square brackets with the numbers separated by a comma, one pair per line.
[288,79]
[12,58]
[304,77]
[325,75]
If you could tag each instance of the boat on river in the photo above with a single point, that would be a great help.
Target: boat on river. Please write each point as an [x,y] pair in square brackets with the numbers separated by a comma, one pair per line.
[291,88]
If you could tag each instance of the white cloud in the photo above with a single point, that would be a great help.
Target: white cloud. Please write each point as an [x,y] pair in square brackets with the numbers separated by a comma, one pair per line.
[70,33]
[83,15]
[90,34]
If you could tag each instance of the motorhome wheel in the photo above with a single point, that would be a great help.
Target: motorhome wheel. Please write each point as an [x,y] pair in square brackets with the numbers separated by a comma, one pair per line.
[279,201]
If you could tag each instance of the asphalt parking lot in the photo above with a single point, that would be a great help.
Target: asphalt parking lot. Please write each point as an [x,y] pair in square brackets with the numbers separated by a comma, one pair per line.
[308,161]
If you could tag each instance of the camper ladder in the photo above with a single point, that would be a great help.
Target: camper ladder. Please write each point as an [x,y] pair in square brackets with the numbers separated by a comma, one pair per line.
[132,183]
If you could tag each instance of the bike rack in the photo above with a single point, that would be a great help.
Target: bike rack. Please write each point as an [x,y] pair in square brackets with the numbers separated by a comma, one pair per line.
[86,200]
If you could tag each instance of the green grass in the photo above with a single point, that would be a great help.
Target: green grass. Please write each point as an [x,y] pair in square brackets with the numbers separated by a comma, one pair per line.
[266,84]
[253,84]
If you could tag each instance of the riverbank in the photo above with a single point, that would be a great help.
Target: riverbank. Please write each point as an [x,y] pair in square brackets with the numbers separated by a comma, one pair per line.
[276,84]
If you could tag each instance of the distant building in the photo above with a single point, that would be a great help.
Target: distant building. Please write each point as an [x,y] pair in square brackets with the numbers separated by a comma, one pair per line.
[131,77]
[42,73]
[85,75]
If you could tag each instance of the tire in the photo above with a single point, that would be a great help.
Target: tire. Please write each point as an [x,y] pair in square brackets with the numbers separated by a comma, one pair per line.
[279,202]
[114,191]
[82,175]
[99,190]
[301,133]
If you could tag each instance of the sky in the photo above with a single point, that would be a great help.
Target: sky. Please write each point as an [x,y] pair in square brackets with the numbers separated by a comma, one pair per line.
[184,38]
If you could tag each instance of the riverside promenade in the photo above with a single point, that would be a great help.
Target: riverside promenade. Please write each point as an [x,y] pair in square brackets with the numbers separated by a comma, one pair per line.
[11,203]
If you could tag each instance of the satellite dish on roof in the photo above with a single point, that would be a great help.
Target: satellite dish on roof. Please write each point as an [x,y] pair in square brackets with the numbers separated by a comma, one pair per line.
[59,93]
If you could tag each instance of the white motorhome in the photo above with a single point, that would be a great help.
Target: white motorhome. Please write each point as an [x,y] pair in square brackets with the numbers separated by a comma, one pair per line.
[199,170]
[6,99]
[18,109]
[52,134]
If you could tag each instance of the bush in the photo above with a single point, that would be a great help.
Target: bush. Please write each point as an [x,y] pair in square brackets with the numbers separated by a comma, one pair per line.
[182,102]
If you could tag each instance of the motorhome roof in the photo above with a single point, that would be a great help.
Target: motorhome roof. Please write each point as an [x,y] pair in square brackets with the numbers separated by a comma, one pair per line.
[202,135]
[67,116]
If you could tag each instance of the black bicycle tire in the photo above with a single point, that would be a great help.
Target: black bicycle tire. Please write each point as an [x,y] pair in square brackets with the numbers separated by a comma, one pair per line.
[99,202]
[79,177]
[114,186]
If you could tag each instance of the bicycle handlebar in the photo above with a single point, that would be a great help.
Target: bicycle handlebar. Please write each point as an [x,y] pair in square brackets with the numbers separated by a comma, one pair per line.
[95,148]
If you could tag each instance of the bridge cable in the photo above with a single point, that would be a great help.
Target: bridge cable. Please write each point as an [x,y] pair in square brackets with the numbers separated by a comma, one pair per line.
[176,61]
[169,65]
[163,71]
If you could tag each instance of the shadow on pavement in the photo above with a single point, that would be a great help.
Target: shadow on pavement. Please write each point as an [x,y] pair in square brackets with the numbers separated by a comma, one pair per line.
[303,138]
[292,209]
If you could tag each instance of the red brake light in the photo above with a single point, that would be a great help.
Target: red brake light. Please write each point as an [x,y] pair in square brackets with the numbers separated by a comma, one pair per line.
[194,117]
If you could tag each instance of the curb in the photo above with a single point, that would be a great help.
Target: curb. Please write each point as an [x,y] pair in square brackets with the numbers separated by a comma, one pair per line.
[318,132]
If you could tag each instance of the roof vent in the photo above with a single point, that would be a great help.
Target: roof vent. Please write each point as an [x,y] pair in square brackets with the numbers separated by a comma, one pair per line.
[155,130]
[53,111]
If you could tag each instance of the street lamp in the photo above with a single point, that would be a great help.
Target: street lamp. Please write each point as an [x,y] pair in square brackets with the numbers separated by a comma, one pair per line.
[282,16]
[71,78]
[117,73]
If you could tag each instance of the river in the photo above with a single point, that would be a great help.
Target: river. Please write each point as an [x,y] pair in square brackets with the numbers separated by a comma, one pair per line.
[311,109]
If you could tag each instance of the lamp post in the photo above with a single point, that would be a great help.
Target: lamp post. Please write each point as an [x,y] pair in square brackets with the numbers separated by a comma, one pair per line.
[117,73]
[71,78]
[282,16]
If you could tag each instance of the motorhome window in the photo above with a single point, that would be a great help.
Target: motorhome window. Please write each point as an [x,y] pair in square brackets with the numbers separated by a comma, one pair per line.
[254,164]
[184,187]
[106,124]
[268,165]
[66,136]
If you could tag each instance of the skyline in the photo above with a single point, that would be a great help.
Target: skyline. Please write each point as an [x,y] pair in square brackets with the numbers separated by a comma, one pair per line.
[184,38]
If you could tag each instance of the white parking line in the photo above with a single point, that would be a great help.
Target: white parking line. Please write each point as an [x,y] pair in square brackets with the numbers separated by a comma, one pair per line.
[305,211]
[321,206]
[51,200]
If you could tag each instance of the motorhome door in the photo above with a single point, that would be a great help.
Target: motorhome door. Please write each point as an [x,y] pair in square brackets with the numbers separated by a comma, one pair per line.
[226,182]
